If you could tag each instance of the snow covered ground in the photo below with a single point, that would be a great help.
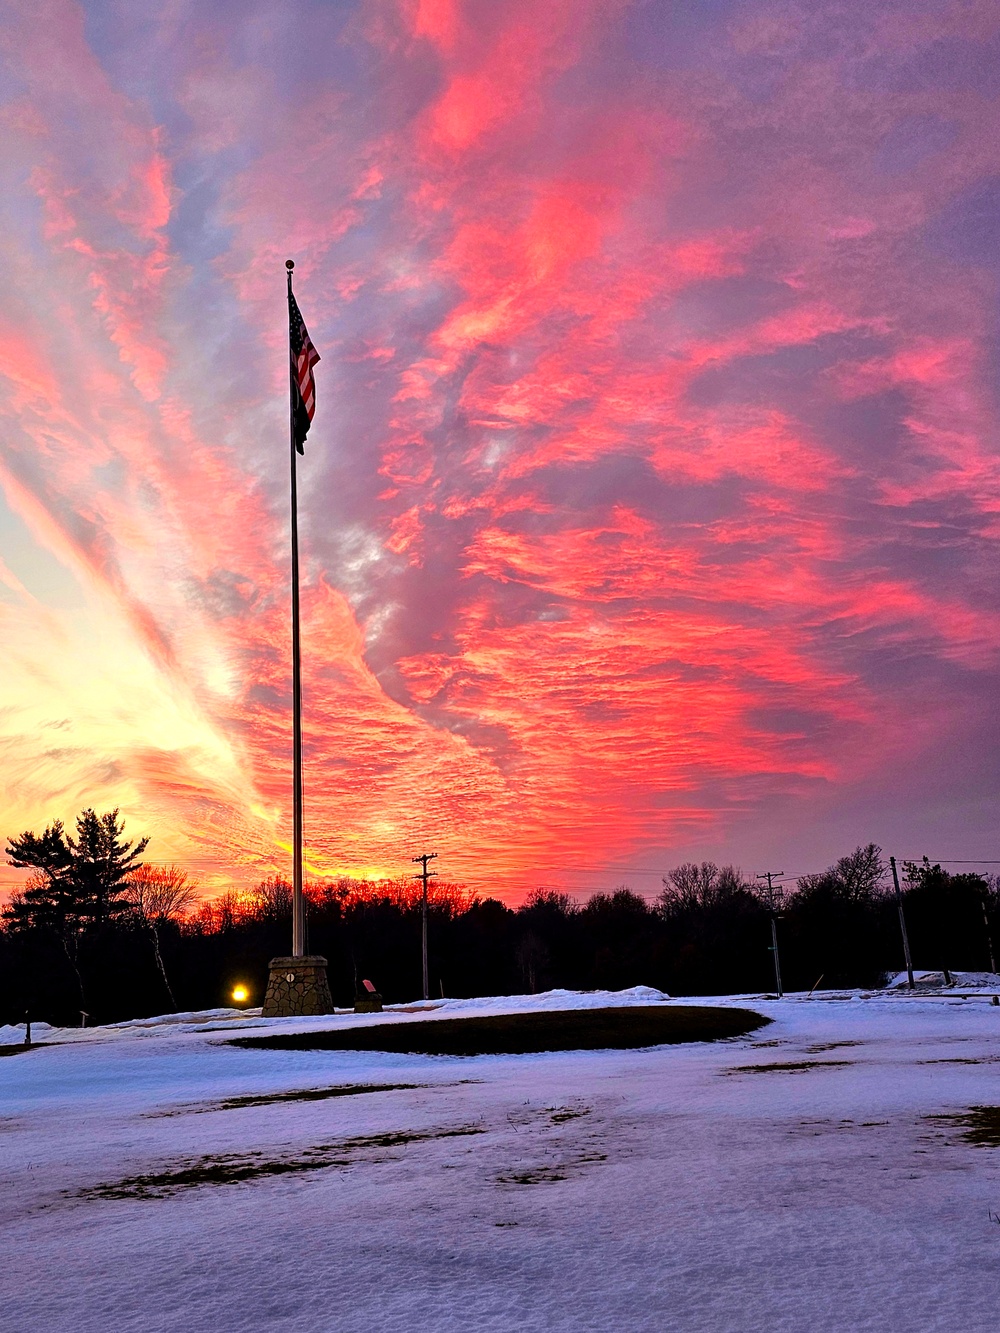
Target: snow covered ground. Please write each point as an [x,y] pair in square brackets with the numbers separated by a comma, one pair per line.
[982,982]
[796,1179]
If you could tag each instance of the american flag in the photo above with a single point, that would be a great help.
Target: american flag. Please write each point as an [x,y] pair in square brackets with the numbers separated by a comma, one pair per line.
[304,356]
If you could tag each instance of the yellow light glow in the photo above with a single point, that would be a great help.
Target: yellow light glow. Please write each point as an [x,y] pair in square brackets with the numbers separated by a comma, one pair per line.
[240,993]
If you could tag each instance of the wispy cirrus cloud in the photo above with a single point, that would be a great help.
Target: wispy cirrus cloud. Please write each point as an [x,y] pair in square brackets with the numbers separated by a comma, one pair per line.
[652,493]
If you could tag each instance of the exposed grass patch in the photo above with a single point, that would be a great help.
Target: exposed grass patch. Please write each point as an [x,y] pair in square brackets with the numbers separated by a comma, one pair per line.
[235,1168]
[549,1174]
[957,1060]
[296,1095]
[520,1034]
[816,1127]
[539,1175]
[789,1067]
[980,1125]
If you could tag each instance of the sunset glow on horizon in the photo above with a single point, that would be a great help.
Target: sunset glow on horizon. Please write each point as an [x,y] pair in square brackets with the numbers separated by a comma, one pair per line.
[651,506]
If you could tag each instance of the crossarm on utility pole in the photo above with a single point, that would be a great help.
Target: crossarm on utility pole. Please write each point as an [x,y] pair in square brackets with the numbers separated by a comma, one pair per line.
[902,925]
[424,875]
[772,907]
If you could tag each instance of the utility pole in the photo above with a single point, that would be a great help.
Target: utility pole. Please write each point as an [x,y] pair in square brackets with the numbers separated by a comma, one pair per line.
[984,900]
[902,924]
[773,896]
[989,937]
[425,875]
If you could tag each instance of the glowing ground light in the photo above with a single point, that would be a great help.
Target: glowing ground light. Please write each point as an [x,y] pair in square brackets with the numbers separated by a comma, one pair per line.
[240,993]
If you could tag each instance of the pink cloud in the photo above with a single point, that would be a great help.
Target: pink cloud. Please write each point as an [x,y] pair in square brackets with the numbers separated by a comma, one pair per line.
[652,477]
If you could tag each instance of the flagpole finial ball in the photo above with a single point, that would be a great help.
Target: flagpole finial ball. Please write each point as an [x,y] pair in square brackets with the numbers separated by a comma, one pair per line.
[289,264]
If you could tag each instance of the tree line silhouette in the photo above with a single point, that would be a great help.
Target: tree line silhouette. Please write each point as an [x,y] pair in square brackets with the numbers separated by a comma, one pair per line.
[96,931]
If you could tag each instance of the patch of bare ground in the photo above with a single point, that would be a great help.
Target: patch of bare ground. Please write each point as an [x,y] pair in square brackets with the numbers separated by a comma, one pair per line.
[574,1164]
[558,1115]
[979,1125]
[554,1148]
[236,1168]
[625,1028]
[789,1067]
[816,1126]
[960,1060]
[295,1095]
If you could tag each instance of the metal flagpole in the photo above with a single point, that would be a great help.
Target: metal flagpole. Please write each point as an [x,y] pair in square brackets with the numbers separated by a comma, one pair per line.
[298,905]
[297,982]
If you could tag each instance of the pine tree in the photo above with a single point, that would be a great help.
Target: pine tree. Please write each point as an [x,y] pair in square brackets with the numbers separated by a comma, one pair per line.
[101,865]
[77,884]
[49,901]
[81,881]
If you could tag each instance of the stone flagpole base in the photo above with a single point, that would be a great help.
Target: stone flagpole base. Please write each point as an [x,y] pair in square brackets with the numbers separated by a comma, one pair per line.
[297,988]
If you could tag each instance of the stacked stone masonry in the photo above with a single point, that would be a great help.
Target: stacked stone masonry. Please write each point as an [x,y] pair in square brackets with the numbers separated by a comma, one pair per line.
[297,988]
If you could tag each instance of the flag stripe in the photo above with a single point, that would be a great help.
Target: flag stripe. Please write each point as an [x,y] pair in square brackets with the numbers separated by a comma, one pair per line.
[303,356]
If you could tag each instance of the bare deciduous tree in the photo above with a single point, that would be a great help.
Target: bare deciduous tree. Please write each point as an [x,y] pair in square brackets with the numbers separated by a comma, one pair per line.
[156,895]
[272,898]
[691,886]
[857,878]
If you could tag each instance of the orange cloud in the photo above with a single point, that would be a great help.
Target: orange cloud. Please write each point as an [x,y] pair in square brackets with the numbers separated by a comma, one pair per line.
[651,485]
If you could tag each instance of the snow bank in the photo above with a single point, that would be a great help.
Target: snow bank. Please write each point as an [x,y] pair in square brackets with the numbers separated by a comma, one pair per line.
[214,1020]
[817,1176]
[975,981]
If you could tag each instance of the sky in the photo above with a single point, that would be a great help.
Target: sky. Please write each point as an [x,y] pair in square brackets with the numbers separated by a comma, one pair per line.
[650,509]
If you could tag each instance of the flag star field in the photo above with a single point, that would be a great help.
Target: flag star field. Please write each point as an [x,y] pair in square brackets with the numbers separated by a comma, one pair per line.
[650,507]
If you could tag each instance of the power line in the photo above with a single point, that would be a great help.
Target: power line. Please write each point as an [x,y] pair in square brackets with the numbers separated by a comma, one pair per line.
[425,875]
[492,880]
[773,906]
[902,923]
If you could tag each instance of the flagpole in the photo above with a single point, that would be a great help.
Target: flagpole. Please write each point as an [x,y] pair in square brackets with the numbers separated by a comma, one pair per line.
[298,912]
[297,983]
